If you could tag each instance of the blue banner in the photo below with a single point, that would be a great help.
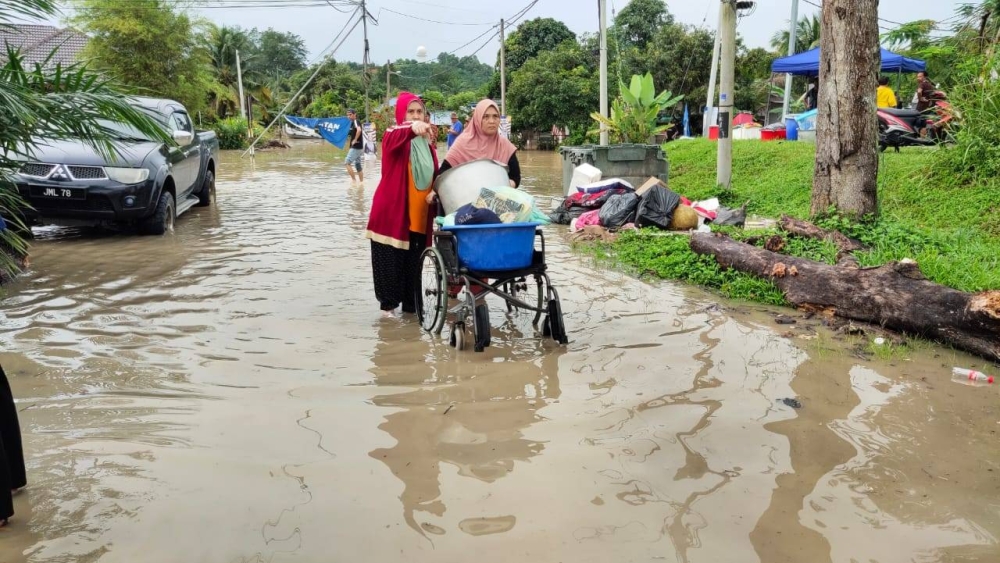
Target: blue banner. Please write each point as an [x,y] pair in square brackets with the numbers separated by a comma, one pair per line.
[333,129]
[687,121]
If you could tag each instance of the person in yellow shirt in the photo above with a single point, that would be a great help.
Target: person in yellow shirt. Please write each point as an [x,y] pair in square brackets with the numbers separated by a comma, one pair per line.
[886,97]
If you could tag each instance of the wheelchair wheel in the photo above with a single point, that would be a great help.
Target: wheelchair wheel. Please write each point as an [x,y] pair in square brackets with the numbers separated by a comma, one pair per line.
[554,323]
[481,327]
[432,295]
[457,339]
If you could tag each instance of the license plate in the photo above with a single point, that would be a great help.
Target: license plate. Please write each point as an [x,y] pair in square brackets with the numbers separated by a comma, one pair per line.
[58,192]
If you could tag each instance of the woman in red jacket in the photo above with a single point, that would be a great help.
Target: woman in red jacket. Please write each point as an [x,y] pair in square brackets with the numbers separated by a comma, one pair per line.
[400,223]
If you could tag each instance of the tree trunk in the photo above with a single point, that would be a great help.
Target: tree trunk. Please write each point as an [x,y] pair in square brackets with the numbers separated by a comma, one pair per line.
[895,295]
[846,126]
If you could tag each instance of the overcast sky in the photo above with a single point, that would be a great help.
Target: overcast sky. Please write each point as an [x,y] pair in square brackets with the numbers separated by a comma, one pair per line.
[398,36]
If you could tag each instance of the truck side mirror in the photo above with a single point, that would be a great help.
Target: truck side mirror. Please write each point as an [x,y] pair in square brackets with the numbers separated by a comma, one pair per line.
[183,138]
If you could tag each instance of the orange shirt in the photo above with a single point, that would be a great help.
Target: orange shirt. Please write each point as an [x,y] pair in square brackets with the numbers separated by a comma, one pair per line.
[417,204]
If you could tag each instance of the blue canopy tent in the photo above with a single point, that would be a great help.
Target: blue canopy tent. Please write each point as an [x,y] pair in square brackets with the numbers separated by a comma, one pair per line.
[807,64]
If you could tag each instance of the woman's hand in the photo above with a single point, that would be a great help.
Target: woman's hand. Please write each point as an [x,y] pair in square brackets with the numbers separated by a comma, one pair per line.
[512,183]
[431,197]
[421,129]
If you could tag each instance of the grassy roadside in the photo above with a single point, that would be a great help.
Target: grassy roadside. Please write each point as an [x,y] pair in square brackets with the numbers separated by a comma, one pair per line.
[949,226]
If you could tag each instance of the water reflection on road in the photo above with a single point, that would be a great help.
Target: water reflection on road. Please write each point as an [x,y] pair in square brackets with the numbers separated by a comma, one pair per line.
[229,393]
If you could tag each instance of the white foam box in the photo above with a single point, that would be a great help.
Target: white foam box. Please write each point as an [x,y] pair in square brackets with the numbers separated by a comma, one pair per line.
[583,175]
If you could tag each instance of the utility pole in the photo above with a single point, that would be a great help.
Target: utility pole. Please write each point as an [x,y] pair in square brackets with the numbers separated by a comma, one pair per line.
[364,63]
[239,81]
[388,73]
[793,27]
[727,24]
[503,72]
[712,77]
[603,7]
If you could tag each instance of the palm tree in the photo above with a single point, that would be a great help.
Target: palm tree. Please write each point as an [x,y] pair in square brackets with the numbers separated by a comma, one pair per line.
[806,36]
[61,102]
[223,43]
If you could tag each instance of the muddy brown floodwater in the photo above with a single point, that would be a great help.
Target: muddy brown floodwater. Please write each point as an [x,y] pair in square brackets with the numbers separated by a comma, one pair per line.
[229,393]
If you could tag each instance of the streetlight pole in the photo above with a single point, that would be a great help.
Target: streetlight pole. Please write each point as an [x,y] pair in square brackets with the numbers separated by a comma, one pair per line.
[364,63]
[727,21]
[791,51]
[603,7]
[713,75]
[239,82]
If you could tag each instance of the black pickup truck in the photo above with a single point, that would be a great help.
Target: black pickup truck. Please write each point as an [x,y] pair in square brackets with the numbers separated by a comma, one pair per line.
[148,184]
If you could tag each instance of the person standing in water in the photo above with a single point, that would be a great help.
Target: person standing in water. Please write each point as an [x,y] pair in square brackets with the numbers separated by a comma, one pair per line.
[12,474]
[483,140]
[356,152]
[456,129]
[400,222]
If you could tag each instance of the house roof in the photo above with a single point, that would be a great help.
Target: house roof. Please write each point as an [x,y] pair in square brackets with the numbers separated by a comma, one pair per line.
[36,42]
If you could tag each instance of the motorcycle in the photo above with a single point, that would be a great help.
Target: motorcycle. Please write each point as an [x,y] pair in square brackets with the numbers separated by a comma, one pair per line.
[901,127]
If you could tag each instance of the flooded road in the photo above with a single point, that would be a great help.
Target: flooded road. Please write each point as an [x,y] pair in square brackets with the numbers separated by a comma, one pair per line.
[230,394]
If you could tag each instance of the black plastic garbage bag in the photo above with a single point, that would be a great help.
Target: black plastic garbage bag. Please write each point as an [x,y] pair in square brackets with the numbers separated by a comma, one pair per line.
[565,216]
[618,211]
[656,208]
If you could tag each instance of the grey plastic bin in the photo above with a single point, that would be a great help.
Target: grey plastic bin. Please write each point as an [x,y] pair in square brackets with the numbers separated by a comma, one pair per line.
[632,163]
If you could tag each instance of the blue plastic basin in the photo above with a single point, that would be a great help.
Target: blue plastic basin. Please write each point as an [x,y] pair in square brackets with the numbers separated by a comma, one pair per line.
[498,247]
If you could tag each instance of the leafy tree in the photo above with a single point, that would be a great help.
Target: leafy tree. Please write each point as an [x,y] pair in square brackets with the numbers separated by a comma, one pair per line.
[753,73]
[638,23]
[531,38]
[557,87]
[223,44]
[806,36]
[459,102]
[679,58]
[528,40]
[150,45]
[336,87]
[38,105]
[279,54]
[433,99]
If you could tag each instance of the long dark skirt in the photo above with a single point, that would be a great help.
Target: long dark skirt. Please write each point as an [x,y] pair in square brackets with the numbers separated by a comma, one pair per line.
[396,273]
[12,473]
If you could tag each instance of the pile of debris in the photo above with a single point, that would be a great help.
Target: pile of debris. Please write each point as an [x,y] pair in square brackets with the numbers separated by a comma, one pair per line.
[614,204]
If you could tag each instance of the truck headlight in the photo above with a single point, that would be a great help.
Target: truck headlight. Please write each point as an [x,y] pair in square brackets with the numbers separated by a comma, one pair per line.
[127,175]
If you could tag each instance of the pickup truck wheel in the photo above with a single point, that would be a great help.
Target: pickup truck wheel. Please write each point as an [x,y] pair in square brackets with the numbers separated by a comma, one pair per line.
[207,193]
[162,220]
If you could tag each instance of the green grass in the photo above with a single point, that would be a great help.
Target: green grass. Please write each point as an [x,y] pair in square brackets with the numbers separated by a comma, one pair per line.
[951,227]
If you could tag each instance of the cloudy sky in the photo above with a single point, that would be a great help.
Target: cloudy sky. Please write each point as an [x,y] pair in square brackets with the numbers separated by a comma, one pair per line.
[457,22]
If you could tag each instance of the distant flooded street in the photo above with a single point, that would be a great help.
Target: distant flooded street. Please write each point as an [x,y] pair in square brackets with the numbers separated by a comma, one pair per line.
[230,393]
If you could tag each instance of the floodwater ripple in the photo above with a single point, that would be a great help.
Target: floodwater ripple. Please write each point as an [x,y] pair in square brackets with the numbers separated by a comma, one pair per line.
[230,393]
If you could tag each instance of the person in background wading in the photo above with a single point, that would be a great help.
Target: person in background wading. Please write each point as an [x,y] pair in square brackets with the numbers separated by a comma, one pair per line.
[482,139]
[356,151]
[434,128]
[12,473]
[400,222]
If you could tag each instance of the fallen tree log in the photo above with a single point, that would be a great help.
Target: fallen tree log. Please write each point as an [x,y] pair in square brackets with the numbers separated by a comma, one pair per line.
[895,296]
[845,246]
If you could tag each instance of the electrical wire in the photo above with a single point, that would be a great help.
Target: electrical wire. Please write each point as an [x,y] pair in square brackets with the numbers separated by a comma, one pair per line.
[694,51]
[391,11]
[316,72]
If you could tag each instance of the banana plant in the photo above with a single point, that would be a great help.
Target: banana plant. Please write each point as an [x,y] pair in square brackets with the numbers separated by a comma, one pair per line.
[635,111]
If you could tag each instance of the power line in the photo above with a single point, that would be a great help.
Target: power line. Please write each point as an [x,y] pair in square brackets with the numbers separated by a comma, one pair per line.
[898,24]
[318,68]
[391,11]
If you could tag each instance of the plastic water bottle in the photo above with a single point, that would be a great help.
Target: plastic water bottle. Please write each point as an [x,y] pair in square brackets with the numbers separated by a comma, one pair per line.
[970,377]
